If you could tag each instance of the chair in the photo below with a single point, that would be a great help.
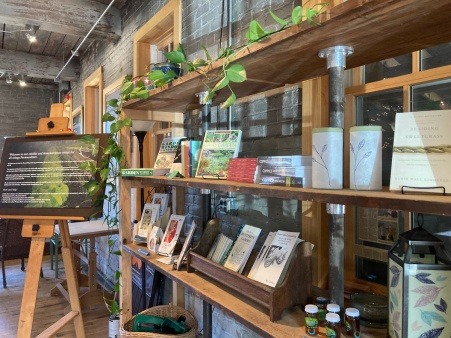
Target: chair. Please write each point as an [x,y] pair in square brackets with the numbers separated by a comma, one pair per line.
[12,244]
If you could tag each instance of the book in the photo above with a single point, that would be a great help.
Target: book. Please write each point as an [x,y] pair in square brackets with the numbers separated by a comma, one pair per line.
[166,153]
[162,200]
[421,151]
[171,235]
[195,147]
[149,216]
[263,250]
[130,172]
[218,147]
[155,237]
[177,162]
[286,181]
[285,160]
[186,244]
[275,261]
[242,248]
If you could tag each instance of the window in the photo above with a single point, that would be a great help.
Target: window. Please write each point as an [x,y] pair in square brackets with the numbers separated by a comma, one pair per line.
[436,56]
[388,68]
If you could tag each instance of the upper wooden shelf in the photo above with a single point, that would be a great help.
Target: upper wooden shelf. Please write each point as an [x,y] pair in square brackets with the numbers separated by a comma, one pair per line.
[427,203]
[376,29]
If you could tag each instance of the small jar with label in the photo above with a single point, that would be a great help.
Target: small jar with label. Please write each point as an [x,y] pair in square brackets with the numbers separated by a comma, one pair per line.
[311,319]
[333,327]
[352,322]
[321,303]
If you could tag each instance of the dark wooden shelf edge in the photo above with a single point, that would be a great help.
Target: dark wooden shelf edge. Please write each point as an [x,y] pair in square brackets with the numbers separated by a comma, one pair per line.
[433,204]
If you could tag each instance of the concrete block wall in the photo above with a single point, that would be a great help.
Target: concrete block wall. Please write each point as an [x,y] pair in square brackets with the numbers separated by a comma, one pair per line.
[21,109]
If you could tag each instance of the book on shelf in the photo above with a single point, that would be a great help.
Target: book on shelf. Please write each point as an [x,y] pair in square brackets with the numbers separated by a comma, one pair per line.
[131,172]
[218,147]
[285,160]
[242,170]
[177,162]
[222,248]
[242,248]
[263,250]
[285,181]
[166,153]
[149,216]
[190,157]
[171,235]
[185,247]
[155,238]
[162,200]
[274,263]
[422,151]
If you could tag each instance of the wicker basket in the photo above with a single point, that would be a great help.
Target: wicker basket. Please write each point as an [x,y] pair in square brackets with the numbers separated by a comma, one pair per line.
[163,311]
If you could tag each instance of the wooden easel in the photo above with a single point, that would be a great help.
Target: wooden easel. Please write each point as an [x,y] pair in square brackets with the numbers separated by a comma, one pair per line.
[39,228]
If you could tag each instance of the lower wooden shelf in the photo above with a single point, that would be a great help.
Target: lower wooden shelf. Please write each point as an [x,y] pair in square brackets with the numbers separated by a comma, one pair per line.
[245,311]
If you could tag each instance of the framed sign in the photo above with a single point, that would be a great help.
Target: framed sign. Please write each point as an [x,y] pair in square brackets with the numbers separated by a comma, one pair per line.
[41,176]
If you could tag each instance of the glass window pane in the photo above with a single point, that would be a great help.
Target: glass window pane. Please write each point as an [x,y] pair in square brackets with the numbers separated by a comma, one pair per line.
[388,68]
[431,96]
[380,109]
[436,56]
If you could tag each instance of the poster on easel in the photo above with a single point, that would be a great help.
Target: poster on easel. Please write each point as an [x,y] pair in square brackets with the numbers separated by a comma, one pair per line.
[42,175]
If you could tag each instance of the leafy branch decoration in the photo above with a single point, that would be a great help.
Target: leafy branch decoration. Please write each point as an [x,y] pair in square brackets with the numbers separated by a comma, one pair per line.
[358,161]
[321,161]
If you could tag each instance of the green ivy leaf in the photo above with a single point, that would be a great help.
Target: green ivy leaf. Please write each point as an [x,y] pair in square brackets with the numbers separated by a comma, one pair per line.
[88,139]
[221,84]
[143,94]
[104,174]
[92,187]
[236,73]
[127,88]
[113,103]
[207,54]
[280,21]
[255,31]
[156,75]
[230,100]
[175,56]
[310,14]
[197,63]
[108,117]
[209,96]
[296,15]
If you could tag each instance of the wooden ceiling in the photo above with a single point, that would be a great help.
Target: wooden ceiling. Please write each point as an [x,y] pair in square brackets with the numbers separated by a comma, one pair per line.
[61,26]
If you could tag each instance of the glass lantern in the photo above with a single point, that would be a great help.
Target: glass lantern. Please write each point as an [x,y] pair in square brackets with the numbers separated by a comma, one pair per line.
[419,285]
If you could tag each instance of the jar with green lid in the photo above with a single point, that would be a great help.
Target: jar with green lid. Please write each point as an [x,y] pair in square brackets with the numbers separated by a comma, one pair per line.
[352,322]
[333,327]
[321,303]
[311,319]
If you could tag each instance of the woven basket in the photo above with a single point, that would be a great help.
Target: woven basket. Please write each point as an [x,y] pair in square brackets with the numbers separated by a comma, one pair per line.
[163,311]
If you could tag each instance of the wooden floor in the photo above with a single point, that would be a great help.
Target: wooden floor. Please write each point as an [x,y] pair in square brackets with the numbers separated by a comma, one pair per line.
[48,309]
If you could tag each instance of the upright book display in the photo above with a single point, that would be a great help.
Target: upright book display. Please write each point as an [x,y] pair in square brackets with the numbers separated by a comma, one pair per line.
[294,290]
[218,147]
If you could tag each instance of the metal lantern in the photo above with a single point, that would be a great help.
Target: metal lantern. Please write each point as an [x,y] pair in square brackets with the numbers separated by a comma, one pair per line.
[419,286]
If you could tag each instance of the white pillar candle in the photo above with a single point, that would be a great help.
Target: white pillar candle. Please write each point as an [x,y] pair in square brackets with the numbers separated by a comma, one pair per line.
[365,157]
[327,158]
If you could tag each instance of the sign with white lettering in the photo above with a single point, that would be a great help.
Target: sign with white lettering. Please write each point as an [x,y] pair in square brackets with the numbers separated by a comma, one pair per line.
[41,175]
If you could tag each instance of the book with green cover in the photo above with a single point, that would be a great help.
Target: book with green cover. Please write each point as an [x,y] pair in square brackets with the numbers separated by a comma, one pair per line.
[218,147]
[130,172]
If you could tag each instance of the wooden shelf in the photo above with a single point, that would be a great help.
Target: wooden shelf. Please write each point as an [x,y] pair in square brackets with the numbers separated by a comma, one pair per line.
[244,311]
[376,29]
[434,204]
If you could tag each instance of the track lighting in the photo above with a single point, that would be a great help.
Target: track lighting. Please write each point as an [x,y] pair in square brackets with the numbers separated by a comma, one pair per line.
[22,82]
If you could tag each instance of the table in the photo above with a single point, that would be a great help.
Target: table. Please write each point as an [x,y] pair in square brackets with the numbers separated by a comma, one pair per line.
[88,230]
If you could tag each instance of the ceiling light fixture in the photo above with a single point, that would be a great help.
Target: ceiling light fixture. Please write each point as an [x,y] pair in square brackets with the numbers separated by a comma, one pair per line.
[22,82]
[31,33]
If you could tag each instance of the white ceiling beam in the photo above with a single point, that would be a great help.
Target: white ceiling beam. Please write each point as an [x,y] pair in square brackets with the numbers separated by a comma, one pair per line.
[39,66]
[73,17]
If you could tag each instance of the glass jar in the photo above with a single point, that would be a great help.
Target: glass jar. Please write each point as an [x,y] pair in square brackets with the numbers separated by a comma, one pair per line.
[321,303]
[352,322]
[333,325]
[311,319]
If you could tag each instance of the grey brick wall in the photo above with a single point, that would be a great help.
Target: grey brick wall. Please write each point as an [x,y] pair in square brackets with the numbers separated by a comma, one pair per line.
[21,109]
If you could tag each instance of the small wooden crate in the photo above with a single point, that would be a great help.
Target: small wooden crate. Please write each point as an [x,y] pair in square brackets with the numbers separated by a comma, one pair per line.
[294,290]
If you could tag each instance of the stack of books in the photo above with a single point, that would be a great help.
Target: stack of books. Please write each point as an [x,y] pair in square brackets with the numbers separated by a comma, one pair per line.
[242,169]
[290,170]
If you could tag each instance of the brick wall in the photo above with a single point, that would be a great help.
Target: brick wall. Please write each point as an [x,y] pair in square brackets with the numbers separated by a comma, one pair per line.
[21,108]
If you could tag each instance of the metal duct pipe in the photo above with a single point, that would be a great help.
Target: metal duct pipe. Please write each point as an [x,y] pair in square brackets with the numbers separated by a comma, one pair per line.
[336,63]
[75,52]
